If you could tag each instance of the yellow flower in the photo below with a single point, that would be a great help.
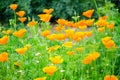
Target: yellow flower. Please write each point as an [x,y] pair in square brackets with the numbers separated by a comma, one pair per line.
[20,13]
[67,44]
[53,48]
[101,29]
[56,60]
[21,50]
[7,32]
[27,46]
[20,33]
[16,64]
[83,27]
[79,49]
[42,78]
[32,24]
[48,11]
[4,40]
[50,70]
[106,39]
[4,57]
[13,6]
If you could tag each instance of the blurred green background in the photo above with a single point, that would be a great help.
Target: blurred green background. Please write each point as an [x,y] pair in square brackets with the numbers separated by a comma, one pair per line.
[62,8]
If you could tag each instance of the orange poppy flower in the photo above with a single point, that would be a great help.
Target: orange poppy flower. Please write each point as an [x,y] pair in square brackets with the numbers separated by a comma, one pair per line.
[20,13]
[45,33]
[4,40]
[56,60]
[4,57]
[80,34]
[112,77]
[69,23]
[89,22]
[32,24]
[88,33]
[70,53]
[51,37]
[103,18]
[108,43]
[82,23]
[95,55]
[76,38]
[13,6]
[50,70]
[88,13]
[106,39]
[110,26]
[61,21]
[59,28]
[101,23]
[7,32]
[87,59]
[48,11]
[60,36]
[83,27]
[21,50]
[20,33]
[69,32]
[45,17]
[101,29]
[22,19]
[75,25]
[42,78]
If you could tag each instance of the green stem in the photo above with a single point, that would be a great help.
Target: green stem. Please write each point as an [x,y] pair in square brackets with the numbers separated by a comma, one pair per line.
[15,20]
[96,8]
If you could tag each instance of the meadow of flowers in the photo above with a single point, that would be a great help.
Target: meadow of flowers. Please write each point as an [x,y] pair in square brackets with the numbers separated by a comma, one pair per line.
[86,49]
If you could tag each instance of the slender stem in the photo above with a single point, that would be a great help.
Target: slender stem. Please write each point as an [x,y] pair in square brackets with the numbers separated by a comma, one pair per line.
[96,8]
[15,20]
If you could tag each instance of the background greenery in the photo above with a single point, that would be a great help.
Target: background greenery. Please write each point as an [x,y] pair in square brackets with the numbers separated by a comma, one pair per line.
[62,8]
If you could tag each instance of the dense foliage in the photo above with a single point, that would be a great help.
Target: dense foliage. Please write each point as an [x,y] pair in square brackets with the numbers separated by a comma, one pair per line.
[62,8]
